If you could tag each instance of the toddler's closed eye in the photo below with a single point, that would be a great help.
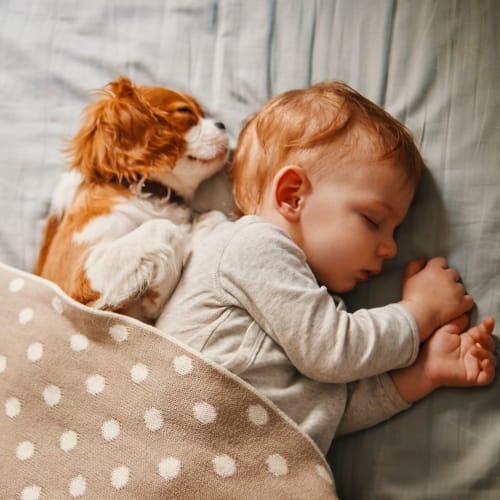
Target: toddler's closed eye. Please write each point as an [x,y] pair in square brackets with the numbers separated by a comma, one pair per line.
[371,221]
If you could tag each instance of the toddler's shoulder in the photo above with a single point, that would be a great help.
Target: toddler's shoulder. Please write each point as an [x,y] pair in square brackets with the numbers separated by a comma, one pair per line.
[253,242]
[255,234]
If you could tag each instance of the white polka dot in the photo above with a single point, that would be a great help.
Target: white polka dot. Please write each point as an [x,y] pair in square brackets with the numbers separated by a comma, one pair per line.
[153,419]
[277,465]
[204,413]
[169,468]
[224,466]
[16,284]
[77,486]
[183,365]
[95,384]
[139,373]
[110,430]
[3,363]
[68,440]
[78,342]
[52,395]
[25,450]
[26,315]
[12,407]
[323,473]
[31,492]
[57,305]
[120,477]
[35,352]
[118,333]
[258,415]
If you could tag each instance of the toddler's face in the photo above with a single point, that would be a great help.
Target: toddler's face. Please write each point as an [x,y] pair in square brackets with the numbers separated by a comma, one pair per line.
[348,220]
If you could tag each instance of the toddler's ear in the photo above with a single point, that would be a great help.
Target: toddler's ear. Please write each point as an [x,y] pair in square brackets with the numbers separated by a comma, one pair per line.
[291,183]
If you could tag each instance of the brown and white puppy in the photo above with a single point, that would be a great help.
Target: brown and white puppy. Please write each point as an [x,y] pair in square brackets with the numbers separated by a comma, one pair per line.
[118,225]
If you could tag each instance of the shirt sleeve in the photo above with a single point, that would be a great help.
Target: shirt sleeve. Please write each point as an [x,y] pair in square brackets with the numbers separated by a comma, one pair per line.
[265,273]
[369,402]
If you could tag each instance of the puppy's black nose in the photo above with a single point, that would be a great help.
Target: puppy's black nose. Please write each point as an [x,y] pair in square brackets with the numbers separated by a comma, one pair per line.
[220,125]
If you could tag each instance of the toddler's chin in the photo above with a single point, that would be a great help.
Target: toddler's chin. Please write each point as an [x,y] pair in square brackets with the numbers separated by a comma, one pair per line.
[342,287]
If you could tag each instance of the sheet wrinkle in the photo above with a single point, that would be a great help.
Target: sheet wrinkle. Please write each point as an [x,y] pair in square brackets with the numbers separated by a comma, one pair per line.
[271,46]
[389,30]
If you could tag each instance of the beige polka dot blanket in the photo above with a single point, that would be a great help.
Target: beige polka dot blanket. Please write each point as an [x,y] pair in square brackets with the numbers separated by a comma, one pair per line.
[97,405]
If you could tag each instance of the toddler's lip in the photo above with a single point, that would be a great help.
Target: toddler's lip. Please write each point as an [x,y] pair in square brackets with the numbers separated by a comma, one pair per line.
[364,275]
[368,273]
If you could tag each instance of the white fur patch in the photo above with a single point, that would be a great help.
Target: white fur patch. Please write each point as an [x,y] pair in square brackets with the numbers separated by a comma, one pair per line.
[103,227]
[147,258]
[127,216]
[65,191]
[206,141]
[207,153]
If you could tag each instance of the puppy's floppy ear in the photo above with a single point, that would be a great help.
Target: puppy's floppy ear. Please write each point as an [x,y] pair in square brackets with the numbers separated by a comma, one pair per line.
[121,139]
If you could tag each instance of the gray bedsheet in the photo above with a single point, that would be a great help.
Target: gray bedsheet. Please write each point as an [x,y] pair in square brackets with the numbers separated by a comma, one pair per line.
[433,64]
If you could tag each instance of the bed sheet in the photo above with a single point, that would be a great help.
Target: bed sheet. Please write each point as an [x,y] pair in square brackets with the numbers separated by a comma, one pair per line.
[432,64]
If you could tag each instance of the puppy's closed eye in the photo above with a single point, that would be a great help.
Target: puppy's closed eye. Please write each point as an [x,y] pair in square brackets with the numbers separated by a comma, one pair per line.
[185,110]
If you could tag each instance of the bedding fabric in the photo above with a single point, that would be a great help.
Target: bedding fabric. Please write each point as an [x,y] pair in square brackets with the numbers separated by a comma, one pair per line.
[433,64]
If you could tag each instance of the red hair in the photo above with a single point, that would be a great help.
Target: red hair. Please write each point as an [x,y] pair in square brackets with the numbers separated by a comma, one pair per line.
[302,126]
[130,132]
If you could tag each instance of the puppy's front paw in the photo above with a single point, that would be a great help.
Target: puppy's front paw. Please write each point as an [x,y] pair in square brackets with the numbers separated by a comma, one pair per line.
[128,268]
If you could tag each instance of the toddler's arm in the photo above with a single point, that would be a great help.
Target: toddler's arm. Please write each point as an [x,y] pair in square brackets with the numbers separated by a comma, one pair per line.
[433,293]
[450,358]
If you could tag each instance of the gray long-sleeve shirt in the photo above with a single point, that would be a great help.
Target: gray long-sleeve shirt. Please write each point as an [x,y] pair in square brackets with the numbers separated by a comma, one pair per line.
[249,301]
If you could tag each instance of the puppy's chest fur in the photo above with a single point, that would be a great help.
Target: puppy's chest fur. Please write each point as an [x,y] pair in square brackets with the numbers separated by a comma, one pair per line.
[99,217]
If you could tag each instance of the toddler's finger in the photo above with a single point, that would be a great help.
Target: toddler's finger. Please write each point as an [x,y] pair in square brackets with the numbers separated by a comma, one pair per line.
[413,267]
[438,262]
[487,342]
[482,355]
[456,325]
[488,324]
[487,373]
[482,333]
[455,275]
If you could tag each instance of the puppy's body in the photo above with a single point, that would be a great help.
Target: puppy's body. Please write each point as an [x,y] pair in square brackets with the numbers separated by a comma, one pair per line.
[118,226]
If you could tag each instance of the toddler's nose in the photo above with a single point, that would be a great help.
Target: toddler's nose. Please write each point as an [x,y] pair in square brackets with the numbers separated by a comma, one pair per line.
[387,249]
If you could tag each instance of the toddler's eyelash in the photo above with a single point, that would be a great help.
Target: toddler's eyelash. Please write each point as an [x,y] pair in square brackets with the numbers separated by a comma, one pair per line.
[370,221]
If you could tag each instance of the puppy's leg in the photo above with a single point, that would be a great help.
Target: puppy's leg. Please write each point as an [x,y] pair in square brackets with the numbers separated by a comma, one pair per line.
[144,264]
[51,227]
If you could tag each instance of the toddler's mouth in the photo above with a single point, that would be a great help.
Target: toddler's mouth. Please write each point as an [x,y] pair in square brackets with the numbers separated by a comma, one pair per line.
[367,273]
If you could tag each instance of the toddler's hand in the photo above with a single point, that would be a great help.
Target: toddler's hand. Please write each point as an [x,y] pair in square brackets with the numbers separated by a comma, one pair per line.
[433,294]
[451,358]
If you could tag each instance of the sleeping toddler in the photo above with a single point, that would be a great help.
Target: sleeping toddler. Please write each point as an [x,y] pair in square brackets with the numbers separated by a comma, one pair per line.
[323,177]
